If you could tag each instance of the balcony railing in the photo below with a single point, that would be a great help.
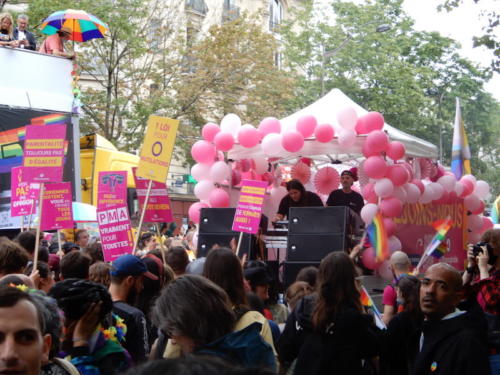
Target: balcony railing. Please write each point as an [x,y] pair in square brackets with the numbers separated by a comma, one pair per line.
[197,6]
[230,13]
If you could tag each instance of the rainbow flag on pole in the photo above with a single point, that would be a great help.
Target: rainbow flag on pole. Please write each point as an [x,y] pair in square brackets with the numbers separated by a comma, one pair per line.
[494,210]
[378,238]
[367,302]
[442,227]
[460,151]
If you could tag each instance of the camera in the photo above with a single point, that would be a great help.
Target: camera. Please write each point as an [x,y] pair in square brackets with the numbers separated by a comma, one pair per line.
[478,248]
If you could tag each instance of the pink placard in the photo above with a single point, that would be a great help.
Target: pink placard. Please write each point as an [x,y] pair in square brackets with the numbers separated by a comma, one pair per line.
[112,189]
[21,201]
[57,212]
[249,209]
[115,231]
[43,155]
[158,210]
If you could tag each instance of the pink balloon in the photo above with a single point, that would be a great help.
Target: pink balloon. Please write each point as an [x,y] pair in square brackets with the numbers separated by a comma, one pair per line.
[377,141]
[306,125]
[472,203]
[473,237]
[235,177]
[368,212]
[394,244]
[368,258]
[385,271]
[419,184]
[384,187]
[412,193]
[269,125]
[224,141]
[375,167]
[209,131]
[480,209]
[400,193]
[396,150]
[474,223]
[367,152]
[219,198]
[203,189]
[397,174]
[391,207]
[203,152]
[324,133]
[471,178]
[468,187]
[194,211]
[487,224]
[369,122]
[347,138]
[248,136]
[390,226]
[292,141]
[347,118]
[368,192]
[268,177]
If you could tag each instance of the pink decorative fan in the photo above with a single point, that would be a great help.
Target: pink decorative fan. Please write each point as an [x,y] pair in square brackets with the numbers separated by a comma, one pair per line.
[425,168]
[326,180]
[363,178]
[301,172]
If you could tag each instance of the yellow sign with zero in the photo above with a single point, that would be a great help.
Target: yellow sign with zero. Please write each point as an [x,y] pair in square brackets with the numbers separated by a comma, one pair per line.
[157,149]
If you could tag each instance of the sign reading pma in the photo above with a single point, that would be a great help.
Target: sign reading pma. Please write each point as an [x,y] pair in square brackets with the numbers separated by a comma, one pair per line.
[156,151]
[112,216]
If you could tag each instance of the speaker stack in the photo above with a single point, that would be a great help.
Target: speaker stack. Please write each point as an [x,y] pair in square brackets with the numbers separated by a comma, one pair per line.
[313,233]
[215,229]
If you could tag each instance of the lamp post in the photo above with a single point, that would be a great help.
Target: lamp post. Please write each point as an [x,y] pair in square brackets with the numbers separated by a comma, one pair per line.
[329,53]
[440,95]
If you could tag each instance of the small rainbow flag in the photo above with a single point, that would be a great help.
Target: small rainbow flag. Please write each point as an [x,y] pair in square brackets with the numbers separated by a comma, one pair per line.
[378,238]
[494,210]
[440,250]
[442,227]
[367,302]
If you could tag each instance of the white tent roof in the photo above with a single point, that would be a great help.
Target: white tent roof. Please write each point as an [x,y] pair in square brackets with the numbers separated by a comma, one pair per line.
[325,110]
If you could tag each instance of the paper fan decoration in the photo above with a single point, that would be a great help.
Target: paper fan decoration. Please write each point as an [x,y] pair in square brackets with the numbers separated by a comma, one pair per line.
[326,180]
[363,178]
[425,168]
[301,172]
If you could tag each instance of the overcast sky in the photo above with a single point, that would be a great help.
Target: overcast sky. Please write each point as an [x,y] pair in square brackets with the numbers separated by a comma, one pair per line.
[460,24]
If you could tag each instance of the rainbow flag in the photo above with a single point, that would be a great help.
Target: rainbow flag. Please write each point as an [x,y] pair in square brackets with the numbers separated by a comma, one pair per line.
[440,250]
[442,227]
[460,151]
[494,210]
[367,302]
[378,238]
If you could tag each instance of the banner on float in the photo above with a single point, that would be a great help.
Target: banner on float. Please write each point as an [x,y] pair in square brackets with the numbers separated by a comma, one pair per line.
[115,232]
[57,211]
[249,209]
[112,189]
[415,230]
[43,155]
[157,149]
[23,195]
[159,209]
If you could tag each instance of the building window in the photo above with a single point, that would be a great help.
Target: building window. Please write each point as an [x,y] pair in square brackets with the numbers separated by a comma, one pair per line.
[230,12]
[275,14]
[197,6]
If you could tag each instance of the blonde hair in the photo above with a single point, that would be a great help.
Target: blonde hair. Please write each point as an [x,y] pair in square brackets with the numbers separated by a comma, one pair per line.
[11,28]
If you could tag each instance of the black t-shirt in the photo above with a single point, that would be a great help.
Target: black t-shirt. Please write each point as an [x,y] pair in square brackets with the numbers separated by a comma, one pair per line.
[136,339]
[4,36]
[352,200]
[309,200]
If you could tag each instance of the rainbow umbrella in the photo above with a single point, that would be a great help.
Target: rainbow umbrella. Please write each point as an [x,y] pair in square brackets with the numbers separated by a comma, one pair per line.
[84,26]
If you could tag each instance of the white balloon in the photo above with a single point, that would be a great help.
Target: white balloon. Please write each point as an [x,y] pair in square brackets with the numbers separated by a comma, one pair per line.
[412,193]
[482,189]
[394,244]
[347,137]
[347,118]
[400,193]
[219,172]
[231,123]
[459,189]
[277,193]
[437,190]
[271,144]
[261,165]
[203,189]
[384,188]
[200,171]
[427,195]
[368,212]
[447,182]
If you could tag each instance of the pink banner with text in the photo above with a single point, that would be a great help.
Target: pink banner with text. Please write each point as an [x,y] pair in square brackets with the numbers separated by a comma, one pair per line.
[57,212]
[249,209]
[115,231]
[158,210]
[23,194]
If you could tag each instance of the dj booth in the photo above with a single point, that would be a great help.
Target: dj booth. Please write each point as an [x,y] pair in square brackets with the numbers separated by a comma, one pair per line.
[309,234]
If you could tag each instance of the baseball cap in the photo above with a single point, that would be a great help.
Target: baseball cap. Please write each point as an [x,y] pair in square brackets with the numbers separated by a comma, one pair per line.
[257,276]
[130,265]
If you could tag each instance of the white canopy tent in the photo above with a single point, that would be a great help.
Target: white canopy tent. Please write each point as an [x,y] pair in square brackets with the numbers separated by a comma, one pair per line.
[325,110]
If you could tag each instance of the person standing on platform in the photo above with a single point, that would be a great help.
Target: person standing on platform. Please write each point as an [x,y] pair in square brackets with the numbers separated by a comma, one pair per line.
[346,196]
[297,197]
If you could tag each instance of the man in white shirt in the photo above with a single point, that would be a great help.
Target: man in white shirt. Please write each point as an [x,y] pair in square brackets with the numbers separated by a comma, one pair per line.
[26,38]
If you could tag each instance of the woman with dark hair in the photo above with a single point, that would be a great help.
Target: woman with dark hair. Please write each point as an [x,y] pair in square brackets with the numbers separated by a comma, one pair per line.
[147,242]
[297,197]
[197,316]
[328,331]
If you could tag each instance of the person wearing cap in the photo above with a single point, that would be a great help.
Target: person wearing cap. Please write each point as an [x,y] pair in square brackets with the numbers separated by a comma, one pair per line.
[346,196]
[400,265]
[297,196]
[127,273]
[54,44]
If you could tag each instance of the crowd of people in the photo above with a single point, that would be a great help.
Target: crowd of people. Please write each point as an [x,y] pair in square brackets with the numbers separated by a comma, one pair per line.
[21,37]
[76,314]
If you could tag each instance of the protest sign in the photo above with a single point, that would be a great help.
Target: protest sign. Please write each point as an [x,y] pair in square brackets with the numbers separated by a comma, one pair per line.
[57,207]
[23,194]
[157,149]
[249,209]
[112,189]
[115,231]
[158,207]
[43,155]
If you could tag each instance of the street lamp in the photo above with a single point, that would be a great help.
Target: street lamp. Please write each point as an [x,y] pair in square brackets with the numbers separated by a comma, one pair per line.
[327,54]
[440,95]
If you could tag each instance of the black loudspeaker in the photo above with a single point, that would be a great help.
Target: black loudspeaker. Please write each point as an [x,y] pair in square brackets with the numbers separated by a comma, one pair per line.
[207,240]
[292,269]
[314,232]
[220,220]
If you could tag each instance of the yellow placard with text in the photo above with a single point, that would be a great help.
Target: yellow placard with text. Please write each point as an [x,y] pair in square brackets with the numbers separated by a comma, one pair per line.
[157,148]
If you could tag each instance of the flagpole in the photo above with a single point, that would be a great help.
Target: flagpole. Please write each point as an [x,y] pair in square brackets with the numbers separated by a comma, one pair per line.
[144,208]
[31,214]
[38,227]
[162,245]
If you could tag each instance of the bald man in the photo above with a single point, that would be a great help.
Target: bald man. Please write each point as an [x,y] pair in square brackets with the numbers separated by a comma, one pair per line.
[453,342]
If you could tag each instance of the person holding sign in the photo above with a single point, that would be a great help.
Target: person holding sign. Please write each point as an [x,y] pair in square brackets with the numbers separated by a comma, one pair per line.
[297,197]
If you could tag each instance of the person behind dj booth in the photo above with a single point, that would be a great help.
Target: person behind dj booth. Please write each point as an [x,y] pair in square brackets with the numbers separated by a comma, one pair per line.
[346,196]
[297,197]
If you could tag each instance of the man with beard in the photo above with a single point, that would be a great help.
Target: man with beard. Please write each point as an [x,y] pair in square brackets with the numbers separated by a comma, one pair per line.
[346,196]
[127,273]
